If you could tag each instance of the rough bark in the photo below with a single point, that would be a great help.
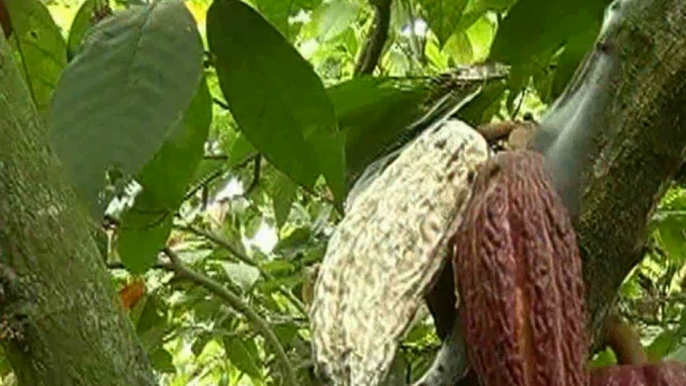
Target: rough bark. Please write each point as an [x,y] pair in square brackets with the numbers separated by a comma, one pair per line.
[60,320]
[638,137]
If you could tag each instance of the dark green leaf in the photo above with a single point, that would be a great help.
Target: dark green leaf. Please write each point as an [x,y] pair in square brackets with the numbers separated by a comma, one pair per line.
[372,112]
[443,16]
[141,237]
[200,342]
[535,29]
[240,151]
[41,48]
[241,356]
[277,267]
[168,175]
[283,196]
[146,227]
[573,54]
[79,27]
[276,98]
[162,361]
[119,98]
[286,333]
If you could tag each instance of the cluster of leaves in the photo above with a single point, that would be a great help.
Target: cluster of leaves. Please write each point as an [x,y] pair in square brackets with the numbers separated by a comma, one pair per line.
[230,132]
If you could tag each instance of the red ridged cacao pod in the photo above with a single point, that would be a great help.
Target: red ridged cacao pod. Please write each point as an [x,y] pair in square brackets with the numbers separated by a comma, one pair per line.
[653,374]
[519,277]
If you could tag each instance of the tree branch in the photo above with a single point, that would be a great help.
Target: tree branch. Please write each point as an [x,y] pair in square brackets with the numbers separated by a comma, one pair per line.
[245,259]
[235,302]
[621,128]
[378,34]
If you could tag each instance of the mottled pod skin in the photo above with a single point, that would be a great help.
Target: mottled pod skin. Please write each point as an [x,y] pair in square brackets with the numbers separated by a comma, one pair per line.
[654,374]
[519,278]
[386,253]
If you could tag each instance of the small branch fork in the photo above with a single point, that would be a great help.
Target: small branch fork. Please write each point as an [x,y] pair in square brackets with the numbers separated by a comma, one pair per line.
[234,301]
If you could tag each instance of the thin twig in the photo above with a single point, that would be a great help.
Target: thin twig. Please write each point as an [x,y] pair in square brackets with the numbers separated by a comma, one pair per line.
[256,175]
[237,304]
[158,265]
[221,103]
[243,258]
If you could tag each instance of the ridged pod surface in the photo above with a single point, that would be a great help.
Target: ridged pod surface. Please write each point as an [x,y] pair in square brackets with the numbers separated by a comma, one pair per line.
[386,252]
[653,374]
[519,278]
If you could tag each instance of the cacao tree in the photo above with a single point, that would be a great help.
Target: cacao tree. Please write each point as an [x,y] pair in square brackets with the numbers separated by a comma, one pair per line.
[204,157]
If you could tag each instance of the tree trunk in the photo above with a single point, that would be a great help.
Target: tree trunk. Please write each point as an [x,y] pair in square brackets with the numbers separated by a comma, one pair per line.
[630,99]
[61,322]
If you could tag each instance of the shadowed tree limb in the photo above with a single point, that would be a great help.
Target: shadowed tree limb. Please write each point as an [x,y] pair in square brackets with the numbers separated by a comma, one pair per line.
[378,34]
[618,138]
[235,302]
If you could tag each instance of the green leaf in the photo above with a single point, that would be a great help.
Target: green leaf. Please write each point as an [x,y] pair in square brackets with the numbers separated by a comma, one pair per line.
[162,361]
[286,333]
[443,16]
[604,358]
[678,354]
[460,48]
[41,49]
[534,30]
[141,236]
[242,274]
[481,34]
[664,344]
[119,98]
[672,238]
[241,356]
[372,112]
[276,98]
[168,175]
[241,150]
[83,21]
[280,12]
[283,196]
[145,227]
[200,342]
[332,18]
[573,54]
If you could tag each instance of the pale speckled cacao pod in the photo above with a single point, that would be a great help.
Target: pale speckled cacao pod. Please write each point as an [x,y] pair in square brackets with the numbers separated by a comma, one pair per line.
[386,251]
[519,278]
[653,374]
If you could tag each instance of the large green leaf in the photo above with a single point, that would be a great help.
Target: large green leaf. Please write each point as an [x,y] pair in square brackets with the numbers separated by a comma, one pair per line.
[145,227]
[40,46]
[276,98]
[534,30]
[330,19]
[373,112]
[443,16]
[243,355]
[122,94]
[280,13]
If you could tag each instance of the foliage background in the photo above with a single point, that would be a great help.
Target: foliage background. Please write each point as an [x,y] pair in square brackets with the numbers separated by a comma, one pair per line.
[254,227]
